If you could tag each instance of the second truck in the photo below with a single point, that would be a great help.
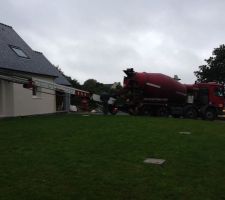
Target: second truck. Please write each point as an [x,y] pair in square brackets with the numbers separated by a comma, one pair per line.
[160,95]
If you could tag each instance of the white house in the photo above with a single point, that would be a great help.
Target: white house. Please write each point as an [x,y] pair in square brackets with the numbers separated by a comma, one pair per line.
[19,61]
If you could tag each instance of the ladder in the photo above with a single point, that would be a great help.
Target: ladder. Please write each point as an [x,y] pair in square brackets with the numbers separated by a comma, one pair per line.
[29,82]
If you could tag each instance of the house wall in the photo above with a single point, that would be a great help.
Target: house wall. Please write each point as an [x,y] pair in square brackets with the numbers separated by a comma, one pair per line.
[0,98]
[6,98]
[18,101]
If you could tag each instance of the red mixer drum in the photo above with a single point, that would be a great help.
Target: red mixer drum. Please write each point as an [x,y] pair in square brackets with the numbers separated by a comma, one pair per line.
[156,86]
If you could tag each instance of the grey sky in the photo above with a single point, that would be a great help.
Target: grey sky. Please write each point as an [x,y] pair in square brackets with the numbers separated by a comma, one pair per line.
[99,38]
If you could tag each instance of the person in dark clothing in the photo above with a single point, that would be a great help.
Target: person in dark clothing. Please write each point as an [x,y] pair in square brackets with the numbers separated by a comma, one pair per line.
[105,98]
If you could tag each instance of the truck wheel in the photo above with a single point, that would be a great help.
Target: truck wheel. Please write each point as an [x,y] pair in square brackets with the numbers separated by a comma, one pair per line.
[191,113]
[210,114]
[162,112]
[176,115]
[113,110]
[134,111]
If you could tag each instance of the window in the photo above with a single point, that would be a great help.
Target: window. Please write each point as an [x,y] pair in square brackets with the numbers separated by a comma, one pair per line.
[203,91]
[219,92]
[203,96]
[19,52]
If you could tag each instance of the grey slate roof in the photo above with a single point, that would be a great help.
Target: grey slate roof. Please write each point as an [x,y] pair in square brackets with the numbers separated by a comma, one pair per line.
[37,63]
[62,80]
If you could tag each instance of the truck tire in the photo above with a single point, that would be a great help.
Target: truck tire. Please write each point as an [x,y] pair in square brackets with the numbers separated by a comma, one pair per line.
[134,111]
[162,112]
[176,116]
[210,114]
[191,113]
[113,110]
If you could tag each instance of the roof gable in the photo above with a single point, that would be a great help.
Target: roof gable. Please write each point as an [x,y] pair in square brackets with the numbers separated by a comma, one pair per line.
[35,62]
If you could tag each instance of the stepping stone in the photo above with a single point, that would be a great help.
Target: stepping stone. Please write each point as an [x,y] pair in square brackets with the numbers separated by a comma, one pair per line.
[154,161]
[185,132]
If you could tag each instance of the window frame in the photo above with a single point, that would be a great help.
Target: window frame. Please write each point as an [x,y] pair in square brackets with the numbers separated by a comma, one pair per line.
[217,91]
[12,47]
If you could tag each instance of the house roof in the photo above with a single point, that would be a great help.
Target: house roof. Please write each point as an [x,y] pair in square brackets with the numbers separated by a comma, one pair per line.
[61,80]
[35,62]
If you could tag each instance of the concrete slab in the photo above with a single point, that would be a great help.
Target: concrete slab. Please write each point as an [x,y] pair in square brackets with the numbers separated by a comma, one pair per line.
[154,161]
[185,132]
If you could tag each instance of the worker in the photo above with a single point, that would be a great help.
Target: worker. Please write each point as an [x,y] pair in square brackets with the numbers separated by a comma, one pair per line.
[104,97]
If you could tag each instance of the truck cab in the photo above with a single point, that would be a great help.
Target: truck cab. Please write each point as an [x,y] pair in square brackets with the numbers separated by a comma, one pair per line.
[210,99]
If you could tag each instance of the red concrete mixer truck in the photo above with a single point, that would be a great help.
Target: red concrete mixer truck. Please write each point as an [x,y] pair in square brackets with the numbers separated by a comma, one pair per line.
[161,95]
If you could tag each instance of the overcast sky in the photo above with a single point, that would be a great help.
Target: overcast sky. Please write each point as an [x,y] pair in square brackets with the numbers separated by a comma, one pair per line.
[99,38]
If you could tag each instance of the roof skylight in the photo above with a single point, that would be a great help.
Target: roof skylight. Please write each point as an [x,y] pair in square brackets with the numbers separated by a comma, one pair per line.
[19,52]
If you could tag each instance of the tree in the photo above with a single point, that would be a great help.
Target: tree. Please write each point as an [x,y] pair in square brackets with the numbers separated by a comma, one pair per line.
[96,87]
[214,70]
[90,85]
[74,82]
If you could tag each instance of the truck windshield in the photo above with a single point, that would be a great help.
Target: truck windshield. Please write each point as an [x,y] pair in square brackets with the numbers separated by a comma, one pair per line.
[219,92]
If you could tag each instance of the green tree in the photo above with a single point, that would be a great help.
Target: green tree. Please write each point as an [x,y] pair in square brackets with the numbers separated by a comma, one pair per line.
[90,85]
[214,70]
[74,82]
[96,87]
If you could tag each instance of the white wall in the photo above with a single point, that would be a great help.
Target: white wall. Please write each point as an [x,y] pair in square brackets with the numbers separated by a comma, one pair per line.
[1,98]
[18,101]
[6,98]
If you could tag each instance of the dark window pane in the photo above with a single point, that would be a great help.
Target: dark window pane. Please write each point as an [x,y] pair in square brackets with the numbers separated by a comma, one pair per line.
[219,92]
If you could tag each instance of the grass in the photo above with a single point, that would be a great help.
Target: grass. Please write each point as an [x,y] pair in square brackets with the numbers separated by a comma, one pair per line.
[75,157]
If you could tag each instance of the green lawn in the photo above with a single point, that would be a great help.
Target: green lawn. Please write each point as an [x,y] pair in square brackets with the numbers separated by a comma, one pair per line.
[101,158]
